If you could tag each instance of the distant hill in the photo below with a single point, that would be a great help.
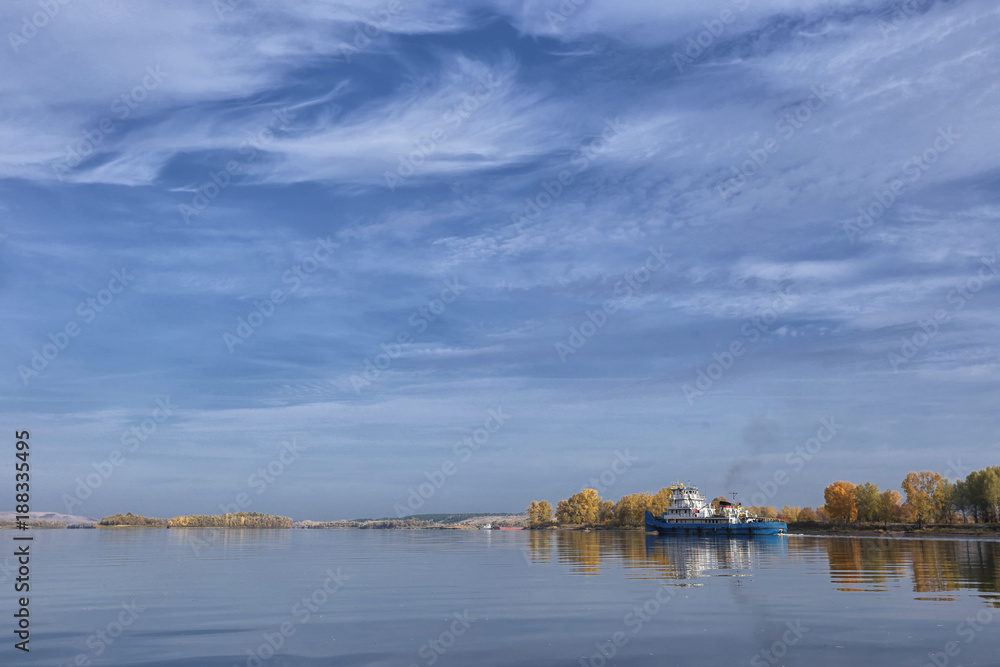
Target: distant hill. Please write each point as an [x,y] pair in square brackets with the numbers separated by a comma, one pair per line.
[49,516]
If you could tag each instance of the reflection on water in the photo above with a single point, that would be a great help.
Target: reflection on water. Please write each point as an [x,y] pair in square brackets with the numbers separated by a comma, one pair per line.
[652,557]
[225,543]
[690,557]
[210,598]
[934,569]
[932,566]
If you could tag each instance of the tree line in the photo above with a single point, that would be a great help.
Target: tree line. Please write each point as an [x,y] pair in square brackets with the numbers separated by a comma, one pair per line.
[130,519]
[929,498]
[238,520]
[588,508]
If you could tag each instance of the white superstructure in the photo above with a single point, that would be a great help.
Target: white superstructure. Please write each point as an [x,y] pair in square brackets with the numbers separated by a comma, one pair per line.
[688,505]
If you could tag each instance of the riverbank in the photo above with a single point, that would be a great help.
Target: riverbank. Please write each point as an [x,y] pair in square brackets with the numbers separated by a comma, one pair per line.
[957,531]
[960,531]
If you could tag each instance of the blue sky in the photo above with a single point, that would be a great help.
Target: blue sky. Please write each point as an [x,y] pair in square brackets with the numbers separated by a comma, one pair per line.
[656,242]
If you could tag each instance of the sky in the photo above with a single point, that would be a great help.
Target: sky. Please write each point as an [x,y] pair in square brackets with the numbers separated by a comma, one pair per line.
[365,259]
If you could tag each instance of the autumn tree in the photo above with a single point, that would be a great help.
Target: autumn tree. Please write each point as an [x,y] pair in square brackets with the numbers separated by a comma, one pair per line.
[866,498]
[807,514]
[581,507]
[237,520]
[630,510]
[544,512]
[605,512]
[888,506]
[840,505]
[921,490]
[659,503]
[789,514]
[539,513]
[130,519]
[762,511]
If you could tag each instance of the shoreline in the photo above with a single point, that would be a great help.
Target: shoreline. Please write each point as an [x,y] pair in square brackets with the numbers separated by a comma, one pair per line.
[988,533]
[971,531]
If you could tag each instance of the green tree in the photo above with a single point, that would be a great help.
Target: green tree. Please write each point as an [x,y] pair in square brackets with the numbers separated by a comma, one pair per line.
[866,498]
[960,500]
[942,501]
[982,488]
[991,493]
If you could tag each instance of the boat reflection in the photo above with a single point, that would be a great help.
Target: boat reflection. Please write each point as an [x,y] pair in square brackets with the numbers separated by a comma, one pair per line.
[646,556]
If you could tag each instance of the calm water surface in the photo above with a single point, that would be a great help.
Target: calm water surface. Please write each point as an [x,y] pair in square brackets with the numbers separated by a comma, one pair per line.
[214,598]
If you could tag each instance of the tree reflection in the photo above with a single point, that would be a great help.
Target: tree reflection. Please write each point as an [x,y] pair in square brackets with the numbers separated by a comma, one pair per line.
[932,566]
[932,569]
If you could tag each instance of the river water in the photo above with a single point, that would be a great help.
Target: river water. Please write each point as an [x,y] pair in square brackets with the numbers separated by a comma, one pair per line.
[288,598]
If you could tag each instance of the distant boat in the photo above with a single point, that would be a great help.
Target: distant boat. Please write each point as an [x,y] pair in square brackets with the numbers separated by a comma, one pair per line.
[689,513]
[511,527]
[488,526]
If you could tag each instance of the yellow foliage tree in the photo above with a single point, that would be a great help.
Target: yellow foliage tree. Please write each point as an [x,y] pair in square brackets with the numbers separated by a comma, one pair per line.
[840,505]
[789,514]
[238,520]
[539,513]
[532,512]
[888,506]
[581,507]
[544,512]
[922,490]
[659,503]
[630,510]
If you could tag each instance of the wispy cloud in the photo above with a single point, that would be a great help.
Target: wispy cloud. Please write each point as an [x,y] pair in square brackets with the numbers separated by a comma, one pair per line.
[431,142]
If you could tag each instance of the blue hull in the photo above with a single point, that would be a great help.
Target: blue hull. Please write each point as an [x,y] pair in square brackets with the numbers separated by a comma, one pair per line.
[693,528]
